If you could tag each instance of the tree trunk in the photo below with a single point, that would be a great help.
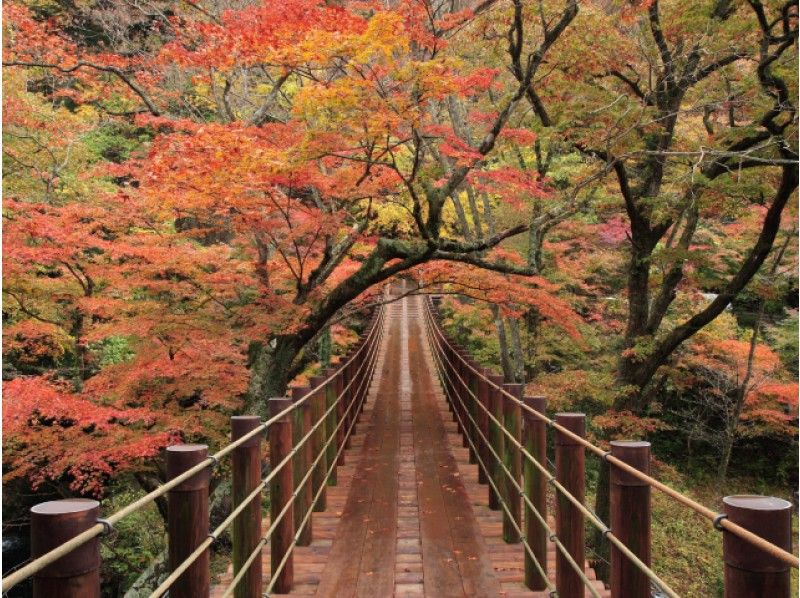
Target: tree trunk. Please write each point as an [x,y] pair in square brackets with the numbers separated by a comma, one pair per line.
[505,359]
[270,372]
[517,358]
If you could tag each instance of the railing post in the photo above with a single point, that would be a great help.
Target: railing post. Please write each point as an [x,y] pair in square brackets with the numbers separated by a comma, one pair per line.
[483,423]
[246,475]
[570,466]
[630,520]
[330,398]
[463,393]
[472,409]
[317,442]
[512,459]
[338,387]
[749,571]
[281,488]
[358,357]
[302,463]
[77,574]
[497,440]
[347,397]
[188,520]
[534,433]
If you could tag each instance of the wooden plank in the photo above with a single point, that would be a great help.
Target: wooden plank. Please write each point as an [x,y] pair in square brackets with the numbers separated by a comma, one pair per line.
[453,553]
[362,556]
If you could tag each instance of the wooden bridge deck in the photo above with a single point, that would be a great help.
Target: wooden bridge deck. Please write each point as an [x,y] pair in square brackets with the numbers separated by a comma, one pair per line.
[408,517]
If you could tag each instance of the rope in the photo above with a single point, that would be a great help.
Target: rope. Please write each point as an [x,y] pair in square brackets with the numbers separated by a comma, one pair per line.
[551,534]
[593,518]
[756,540]
[299,527]
[56,553]
[331,437]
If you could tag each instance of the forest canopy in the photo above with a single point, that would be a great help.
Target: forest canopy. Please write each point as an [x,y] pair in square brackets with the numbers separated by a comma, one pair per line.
[202,199]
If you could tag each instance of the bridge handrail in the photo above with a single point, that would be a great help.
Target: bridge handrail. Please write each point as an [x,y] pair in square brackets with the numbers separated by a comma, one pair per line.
[719,519]
[173,577]
[107,523]
[550,533]
[551,479]
[365,364]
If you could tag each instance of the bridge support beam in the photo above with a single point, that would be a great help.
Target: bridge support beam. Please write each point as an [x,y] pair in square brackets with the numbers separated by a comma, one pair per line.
[246,476]
[534,438]
[187,523]
[630,520]
[281,489]
[570,472]
[749,571]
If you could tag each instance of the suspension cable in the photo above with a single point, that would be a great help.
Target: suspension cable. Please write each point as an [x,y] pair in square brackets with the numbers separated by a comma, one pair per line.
[63,549]
[593,518]
[273,524]
[713,516]
[551,534]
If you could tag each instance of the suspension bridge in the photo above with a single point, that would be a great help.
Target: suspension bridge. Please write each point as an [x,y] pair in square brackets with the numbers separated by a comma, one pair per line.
[409,470]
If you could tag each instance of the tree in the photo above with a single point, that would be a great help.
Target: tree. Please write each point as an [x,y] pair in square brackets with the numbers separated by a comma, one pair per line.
[279,162]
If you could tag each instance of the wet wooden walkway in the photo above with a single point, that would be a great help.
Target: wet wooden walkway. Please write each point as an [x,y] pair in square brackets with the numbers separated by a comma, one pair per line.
[408,517]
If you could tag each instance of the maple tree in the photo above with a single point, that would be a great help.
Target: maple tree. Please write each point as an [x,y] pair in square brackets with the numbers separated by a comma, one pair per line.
[293,156]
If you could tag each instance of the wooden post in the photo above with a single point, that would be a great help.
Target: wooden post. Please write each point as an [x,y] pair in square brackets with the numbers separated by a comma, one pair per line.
[188,520]
[301,425]
[340,407]
[77,574]
[281,488]
[347,397]
[318,441]
[463,393]
[534,435]
[246,475]
[749,571]
[472,409]
[330,426]
[497,440]
[358,358]
[630,520]
[512,459]
[570,466]
[483,423]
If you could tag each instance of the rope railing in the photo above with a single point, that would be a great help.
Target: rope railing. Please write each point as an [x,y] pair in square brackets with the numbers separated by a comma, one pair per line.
[442,372]
[457,362]
[551,479]
[194,464]
[213,536]
[369,364]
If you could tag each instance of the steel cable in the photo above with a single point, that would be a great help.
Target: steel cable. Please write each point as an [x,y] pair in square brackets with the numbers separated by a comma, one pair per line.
[331,437]
[737,530]
[63,549]
[593,518]
[282,564]
[551,534]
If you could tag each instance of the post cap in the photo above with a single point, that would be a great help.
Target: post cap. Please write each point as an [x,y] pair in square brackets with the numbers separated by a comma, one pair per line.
[243,424]
[635,453]
[765,516]
[575,423]
[181,457]
[57,521]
